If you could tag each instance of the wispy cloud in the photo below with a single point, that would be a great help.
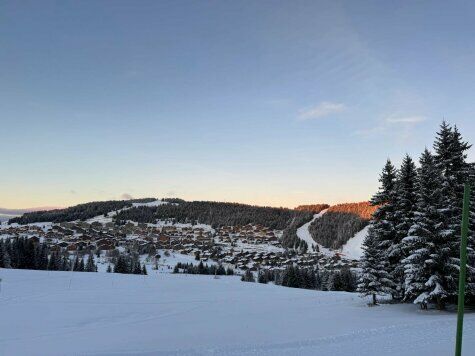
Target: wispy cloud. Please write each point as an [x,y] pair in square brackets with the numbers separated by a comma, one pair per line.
[401,126]
[323,109]
[405,119]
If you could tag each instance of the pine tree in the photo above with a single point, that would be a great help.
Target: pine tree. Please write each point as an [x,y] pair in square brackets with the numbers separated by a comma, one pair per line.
[42,260]
[6,259]
[450,156]
[137,268]
[262,277]
[81,265]
[374,279]
[248,276]
[423,267]
[53,264]
[120,265]
[471,240]
[405,199]
[65,263]
[383,229]
[76,264]
[90,265]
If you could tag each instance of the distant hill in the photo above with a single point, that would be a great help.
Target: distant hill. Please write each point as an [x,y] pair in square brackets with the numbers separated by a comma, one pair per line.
[78,212]
[7,214]
[17,212]
[214,214]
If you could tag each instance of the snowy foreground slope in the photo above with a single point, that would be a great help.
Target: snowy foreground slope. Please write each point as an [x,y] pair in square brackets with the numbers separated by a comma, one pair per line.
[63,313]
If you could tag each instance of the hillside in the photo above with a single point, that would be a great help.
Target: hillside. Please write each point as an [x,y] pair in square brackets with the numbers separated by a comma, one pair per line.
[215,214]
[340,223]
[63,313]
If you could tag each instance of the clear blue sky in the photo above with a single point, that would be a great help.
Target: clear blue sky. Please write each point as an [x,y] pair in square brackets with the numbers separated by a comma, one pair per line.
[266,102]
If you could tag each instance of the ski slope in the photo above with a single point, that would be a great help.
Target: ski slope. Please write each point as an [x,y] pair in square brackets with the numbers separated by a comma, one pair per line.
[354,246]
[304,234]
[65,313]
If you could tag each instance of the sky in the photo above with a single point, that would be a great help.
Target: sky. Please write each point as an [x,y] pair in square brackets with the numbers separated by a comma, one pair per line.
[274,103]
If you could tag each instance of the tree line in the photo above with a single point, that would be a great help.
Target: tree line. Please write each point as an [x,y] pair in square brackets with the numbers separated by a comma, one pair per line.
[306,278]
[213,213]
[413,245]
[200,268]
[313,208]
[23,253]
[127,264]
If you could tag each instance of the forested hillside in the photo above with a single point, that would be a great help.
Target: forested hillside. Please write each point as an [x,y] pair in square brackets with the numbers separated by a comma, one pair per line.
[290,238]
[78,212]
[340,223]
[214,214]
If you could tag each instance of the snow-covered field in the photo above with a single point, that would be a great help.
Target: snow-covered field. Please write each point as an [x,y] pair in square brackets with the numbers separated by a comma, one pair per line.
[64,313]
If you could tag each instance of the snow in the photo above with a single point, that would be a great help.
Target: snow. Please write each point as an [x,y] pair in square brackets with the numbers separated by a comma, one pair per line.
[66,313]
[304,234]
[166,263]
[353,247]
[152,203]
[162,223]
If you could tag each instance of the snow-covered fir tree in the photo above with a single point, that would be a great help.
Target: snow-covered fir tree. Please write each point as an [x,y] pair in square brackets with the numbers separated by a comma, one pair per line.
[405,198]
[450,155]
[374,279]
[384,224]
[90,265]
[376,276]
[423,270]
[471,239]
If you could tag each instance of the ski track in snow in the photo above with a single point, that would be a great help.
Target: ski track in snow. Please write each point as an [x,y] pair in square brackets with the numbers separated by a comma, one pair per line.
[304,234]
[165,314]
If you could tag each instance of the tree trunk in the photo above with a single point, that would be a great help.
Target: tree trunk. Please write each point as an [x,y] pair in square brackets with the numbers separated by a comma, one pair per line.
[440,303]
[374,299]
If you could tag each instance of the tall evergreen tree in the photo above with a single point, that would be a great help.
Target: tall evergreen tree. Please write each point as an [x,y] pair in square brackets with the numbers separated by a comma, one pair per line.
[450,155]
[383,229]
[90,265]
[405,199]
[424,265]
[81,265]
[374,278]
[76,263]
